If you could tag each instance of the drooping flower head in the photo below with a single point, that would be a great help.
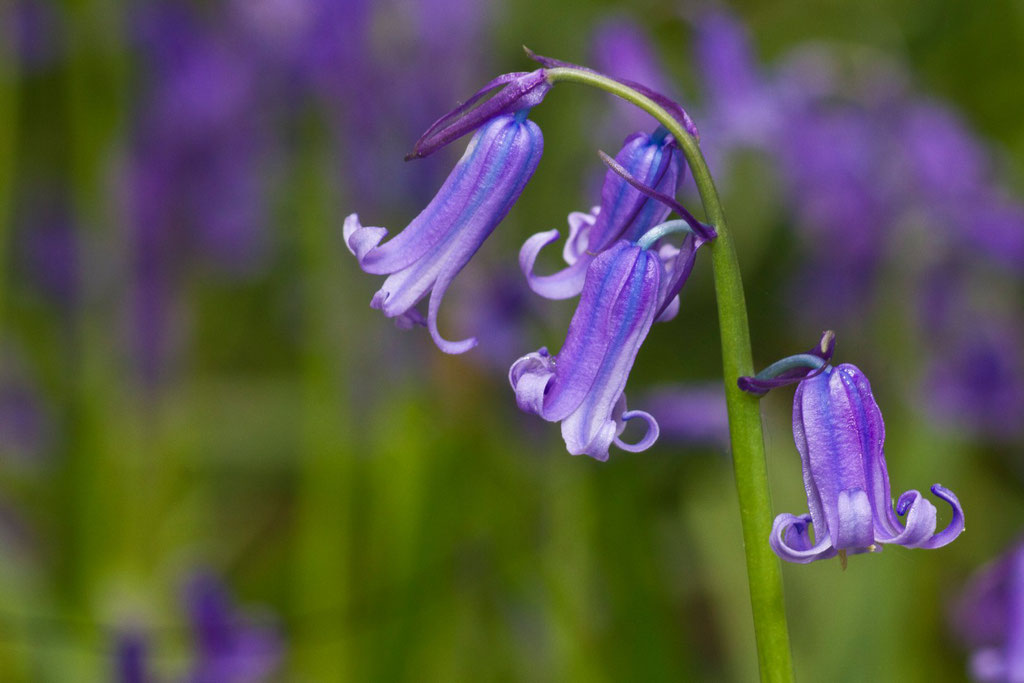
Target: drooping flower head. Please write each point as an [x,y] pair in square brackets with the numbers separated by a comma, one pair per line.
[627,287]
[989,617]
[582,387]
[426,256]
[624,213]
[838,430]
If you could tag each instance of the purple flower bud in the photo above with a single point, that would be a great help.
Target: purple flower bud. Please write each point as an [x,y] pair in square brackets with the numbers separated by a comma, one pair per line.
[437,244]
[582,387]
[625,213]
[989,617]
[839,432]
[521,92]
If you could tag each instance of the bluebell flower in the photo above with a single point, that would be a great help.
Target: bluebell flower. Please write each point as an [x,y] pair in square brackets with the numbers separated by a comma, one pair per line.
[989,617]
[426,256]
[839,433]
[624,213]
[627,287]
[582,387]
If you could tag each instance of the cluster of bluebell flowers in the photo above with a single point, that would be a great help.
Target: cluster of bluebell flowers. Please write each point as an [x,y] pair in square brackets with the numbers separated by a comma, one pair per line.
[618,260]
[838,430]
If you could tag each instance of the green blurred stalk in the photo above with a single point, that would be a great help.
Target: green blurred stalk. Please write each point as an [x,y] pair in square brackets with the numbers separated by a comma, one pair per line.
[13,648]
[568,563]
[91,486]
[763,571]
[323,545]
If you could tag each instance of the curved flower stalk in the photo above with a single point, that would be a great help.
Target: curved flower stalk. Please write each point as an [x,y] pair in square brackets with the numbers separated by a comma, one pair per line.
[624,213]
[426,256]
[839,432]
[989,617]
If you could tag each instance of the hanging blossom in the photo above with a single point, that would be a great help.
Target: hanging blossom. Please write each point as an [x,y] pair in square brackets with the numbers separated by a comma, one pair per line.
[989,617]
[838,430]
[627,287]
[426,256]
[624,213]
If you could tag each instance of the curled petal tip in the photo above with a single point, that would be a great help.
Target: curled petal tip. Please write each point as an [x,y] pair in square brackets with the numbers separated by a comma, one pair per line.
[650,436]
[955,526]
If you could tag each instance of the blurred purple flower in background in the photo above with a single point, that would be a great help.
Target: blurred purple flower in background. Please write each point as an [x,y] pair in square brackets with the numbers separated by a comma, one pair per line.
[23,425]
[989,617]
[35,29]
[690,414]
[838,430]
[622,50]
[740,107]
[26,421]
[48,247]
[976,377]
[130,657]
[228,646]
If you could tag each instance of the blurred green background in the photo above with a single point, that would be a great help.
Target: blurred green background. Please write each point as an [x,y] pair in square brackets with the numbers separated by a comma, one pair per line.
[386,506]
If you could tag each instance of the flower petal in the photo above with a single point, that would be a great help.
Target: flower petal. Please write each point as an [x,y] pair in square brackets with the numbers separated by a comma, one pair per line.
[596,320]
[593,426]
[920,526]
[578,241]
[564,284]
[530,377]
[650,436]
[791,540]
[955,526]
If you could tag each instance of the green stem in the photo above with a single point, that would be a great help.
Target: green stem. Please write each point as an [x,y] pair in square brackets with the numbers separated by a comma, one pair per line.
[321,580]
[763,571]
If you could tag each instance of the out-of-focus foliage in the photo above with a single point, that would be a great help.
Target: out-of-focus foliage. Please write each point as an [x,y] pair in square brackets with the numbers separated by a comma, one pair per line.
[191,378]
